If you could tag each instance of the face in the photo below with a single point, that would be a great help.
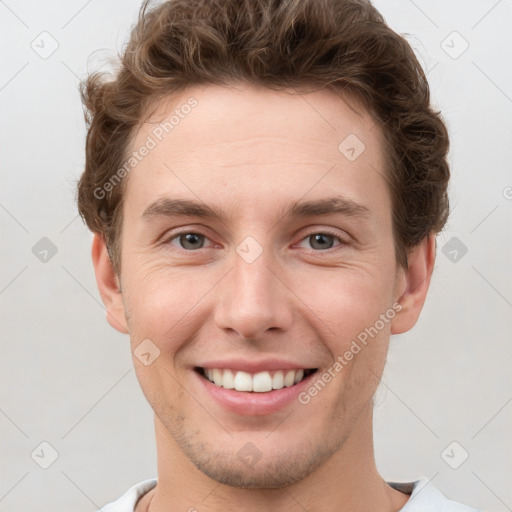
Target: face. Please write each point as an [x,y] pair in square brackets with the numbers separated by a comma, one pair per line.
[255,247]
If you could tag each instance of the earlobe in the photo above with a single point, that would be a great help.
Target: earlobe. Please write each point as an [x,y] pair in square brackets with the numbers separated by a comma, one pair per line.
[108,285]
[421,261]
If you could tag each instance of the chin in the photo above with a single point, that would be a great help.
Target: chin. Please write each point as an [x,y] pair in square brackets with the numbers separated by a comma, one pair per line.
[273,467]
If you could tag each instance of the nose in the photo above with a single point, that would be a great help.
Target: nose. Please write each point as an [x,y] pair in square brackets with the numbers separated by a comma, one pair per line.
[254,299]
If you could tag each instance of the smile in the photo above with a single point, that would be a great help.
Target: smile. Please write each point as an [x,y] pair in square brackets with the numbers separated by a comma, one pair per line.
[260,382]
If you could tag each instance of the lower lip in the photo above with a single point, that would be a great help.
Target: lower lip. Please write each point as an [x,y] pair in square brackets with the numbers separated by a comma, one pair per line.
[251,403]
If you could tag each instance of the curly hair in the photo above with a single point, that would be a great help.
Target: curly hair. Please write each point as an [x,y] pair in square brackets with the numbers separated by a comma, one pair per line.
[344,45]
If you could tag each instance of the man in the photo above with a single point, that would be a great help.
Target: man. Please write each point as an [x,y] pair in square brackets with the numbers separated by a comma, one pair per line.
[265,181]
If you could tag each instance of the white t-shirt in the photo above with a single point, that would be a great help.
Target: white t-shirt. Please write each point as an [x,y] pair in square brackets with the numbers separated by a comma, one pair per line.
[424,498]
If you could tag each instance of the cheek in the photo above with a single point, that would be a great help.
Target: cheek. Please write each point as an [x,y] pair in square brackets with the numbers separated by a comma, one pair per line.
[344,302]
[155,289]
[352,312]
[164,303]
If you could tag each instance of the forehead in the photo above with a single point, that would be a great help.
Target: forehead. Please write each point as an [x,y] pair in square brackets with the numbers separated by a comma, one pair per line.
[260,143]
[230,113]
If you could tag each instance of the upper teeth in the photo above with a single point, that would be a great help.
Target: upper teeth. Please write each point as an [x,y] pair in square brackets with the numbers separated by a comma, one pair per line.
[259,382]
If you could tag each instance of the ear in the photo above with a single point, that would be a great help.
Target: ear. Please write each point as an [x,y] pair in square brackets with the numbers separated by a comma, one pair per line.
[414,284]
[108,285]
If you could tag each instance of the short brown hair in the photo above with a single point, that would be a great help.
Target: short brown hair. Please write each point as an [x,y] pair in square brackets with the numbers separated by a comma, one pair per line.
[280,44]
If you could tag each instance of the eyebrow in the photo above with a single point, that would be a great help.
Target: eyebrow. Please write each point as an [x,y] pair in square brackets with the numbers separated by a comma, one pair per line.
[170,207]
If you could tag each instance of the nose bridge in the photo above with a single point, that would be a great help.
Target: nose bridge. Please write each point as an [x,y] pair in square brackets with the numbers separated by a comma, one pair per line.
[253,300]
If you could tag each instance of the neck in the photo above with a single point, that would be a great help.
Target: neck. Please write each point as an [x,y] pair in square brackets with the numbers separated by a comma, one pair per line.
[347,481]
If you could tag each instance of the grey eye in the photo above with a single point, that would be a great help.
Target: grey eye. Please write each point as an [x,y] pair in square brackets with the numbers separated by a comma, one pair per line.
[191,241]
[321,241]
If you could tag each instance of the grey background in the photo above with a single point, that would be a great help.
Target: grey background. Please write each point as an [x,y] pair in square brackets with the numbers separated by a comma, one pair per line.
[67,376]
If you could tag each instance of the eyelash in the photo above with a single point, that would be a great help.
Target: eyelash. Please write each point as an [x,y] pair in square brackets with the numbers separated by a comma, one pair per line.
[321,232]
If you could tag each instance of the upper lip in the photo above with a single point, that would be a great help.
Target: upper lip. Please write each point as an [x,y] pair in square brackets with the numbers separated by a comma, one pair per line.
[252,366]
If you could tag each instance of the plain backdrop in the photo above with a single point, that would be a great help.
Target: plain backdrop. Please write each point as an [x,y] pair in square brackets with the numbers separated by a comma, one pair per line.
[444,408]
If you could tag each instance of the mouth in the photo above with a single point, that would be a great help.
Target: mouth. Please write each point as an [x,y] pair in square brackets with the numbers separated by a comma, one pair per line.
[260,382]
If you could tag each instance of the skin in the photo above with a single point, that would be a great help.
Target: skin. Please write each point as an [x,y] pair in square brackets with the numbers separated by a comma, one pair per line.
[248,152]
